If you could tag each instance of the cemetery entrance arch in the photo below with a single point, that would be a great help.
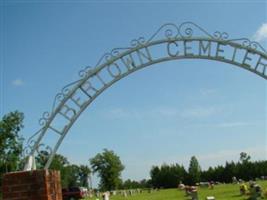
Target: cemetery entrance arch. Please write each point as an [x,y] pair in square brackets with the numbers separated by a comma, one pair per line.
[169,42]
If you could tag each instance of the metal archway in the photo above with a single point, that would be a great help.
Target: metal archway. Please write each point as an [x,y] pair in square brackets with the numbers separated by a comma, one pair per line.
[186,41]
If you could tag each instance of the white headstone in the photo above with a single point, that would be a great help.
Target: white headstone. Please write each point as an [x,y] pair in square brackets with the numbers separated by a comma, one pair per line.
[210,198]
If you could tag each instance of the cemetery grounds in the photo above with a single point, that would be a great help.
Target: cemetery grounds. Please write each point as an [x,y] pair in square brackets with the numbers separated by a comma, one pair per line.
[220,192]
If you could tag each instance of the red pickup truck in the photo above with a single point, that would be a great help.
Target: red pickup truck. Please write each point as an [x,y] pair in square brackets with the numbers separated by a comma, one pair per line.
[73,193]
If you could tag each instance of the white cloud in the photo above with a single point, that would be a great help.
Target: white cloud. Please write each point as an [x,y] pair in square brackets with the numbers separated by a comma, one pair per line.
[165,112]
[261,33]
[200,112]
[162,112]
[17,82]
[118,112]
[207,92]
[233,124]
[122,113]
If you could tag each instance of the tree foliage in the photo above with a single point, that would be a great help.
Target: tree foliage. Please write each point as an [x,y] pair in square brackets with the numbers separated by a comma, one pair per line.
[11,142]
[84,174]
[109,167]
[244,157]
[71,176]
[132,184]
[167,176]
[194,171]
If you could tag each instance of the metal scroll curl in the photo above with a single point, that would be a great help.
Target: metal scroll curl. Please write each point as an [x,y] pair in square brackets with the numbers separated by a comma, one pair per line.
[44,119]
[62,95]
[32,147]
[44,151]
[170,31]
[221,35]
[247,43]
[189,29]
[113,54]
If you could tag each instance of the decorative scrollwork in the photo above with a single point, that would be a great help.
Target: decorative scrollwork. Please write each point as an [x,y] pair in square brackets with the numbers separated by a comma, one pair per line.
[138,42]
[170,30]
[30,145]
[245,42]
[64,93]
[58,98]
[84,72]
[28,149]
[116,52]
[43,120]
[187,29]
[44,152]
[44,148]
[67,88]
[221,35]
[108,57]
[29,141]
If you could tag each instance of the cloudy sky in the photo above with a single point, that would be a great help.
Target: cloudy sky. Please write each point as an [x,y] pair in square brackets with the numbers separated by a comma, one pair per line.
[165,113]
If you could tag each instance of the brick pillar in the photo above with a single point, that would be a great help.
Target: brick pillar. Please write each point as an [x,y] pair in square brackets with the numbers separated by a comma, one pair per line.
[32,185]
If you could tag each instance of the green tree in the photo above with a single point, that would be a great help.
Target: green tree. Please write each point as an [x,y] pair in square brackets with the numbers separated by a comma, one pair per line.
[11,143]
[194,170]
[229,172]
[244,167]
[167,176]
[109,167]
[208,175]
[84,175]
[131,184]
[71,178]
[244,157]
[155,176]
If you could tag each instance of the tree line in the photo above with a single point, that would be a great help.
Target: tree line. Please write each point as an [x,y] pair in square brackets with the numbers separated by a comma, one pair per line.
[170,176]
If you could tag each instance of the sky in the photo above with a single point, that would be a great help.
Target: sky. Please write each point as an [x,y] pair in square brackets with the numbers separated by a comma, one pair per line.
[165,113]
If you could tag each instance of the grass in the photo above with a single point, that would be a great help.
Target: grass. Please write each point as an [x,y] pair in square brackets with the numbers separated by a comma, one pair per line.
[220,192]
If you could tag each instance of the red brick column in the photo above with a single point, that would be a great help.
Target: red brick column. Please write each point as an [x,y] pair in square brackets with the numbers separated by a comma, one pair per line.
[32,185]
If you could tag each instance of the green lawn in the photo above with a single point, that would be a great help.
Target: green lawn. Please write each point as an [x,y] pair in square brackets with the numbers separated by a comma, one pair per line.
[220,192]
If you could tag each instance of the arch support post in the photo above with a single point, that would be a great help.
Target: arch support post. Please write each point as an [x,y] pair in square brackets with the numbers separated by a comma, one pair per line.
[32,185]
[30,164]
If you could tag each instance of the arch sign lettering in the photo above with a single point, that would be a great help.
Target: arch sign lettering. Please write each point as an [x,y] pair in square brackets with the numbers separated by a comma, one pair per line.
[169,42]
